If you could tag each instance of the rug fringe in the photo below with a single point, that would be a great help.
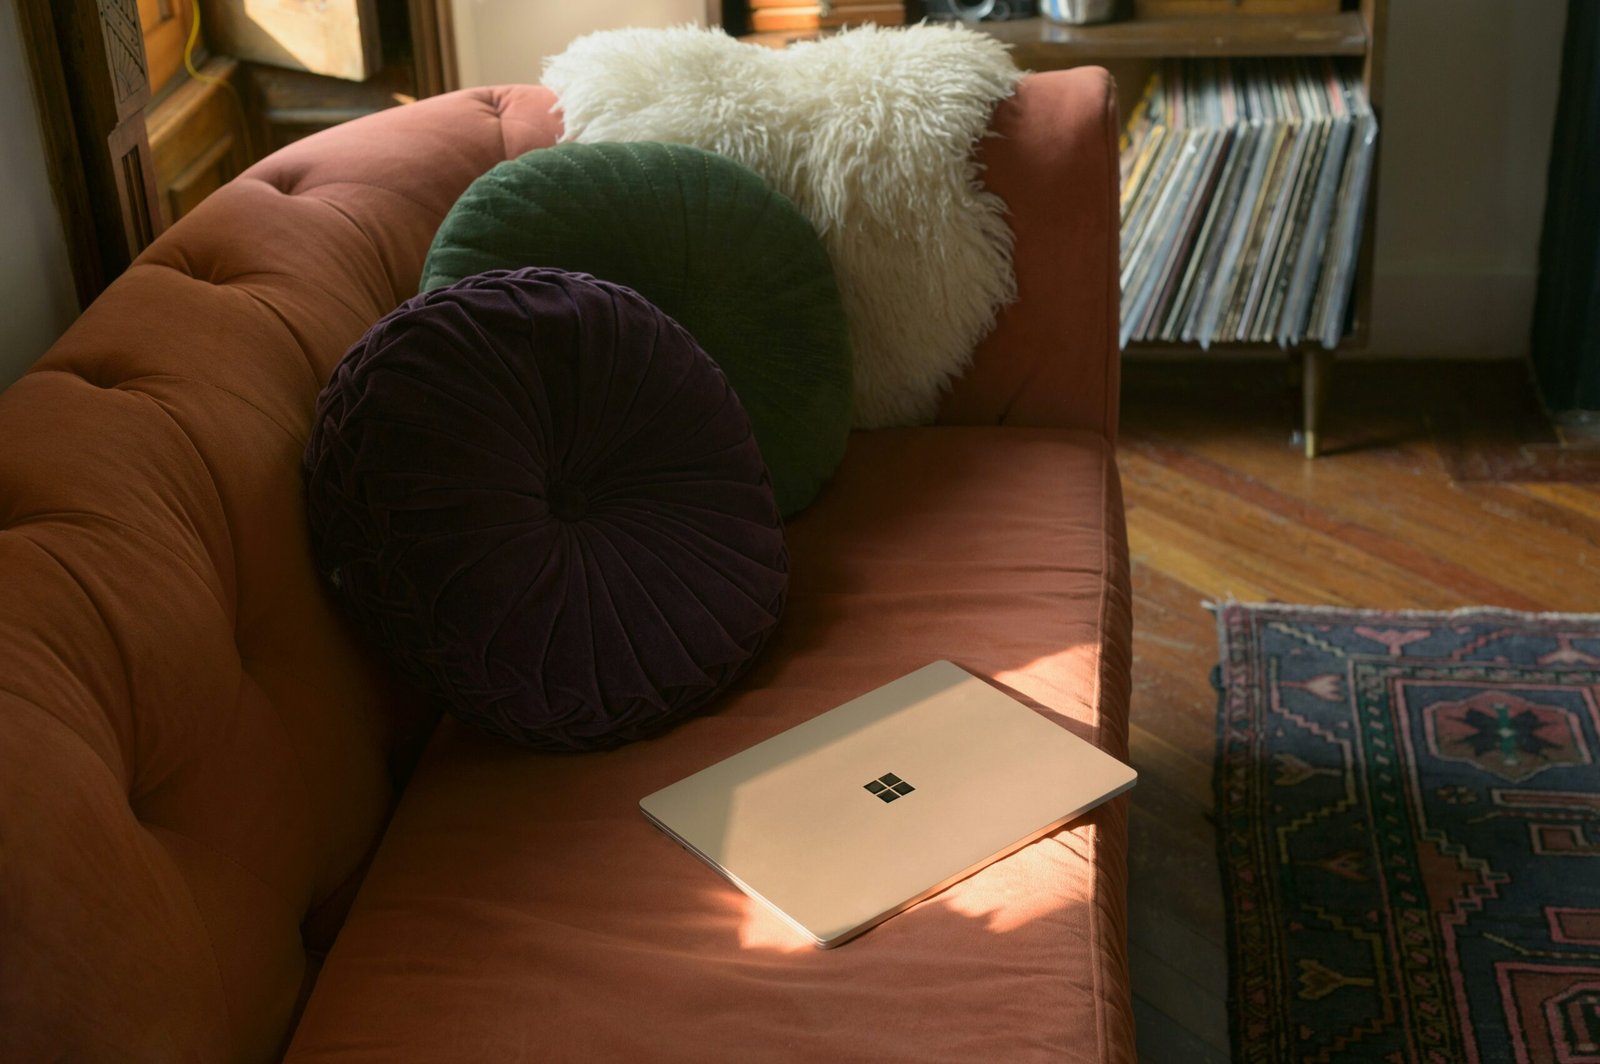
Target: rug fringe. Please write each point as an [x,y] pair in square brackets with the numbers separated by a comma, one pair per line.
[1463,611]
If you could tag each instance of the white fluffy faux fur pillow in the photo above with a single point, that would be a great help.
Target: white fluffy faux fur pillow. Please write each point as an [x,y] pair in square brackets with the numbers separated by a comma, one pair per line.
[871,133]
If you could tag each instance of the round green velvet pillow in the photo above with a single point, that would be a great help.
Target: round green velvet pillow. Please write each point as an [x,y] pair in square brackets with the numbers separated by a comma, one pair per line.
[706,240]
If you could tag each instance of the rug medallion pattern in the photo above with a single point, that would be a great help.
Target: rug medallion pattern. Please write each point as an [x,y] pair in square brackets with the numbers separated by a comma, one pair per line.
[1409,829]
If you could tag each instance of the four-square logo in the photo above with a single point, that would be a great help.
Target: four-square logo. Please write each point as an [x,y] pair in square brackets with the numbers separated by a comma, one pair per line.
[889,787]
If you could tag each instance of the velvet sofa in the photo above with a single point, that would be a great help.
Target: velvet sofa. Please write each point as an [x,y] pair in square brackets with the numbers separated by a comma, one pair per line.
[227,834]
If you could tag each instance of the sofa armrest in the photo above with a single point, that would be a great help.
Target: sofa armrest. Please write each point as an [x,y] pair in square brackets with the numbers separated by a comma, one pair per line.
[1051,154]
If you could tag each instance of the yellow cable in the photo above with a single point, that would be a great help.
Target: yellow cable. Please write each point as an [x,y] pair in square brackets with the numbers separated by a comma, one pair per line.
[188,64]
[188,50]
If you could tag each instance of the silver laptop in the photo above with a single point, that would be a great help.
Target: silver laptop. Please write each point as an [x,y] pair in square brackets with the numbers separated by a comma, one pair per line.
[859,813]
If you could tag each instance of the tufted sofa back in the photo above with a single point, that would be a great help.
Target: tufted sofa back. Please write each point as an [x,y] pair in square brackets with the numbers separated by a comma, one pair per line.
[196,761]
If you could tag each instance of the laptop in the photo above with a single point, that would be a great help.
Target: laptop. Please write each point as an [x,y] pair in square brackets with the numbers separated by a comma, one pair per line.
[857,814]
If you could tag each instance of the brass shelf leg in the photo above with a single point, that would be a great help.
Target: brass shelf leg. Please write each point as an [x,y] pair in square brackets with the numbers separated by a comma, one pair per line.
[1313,395]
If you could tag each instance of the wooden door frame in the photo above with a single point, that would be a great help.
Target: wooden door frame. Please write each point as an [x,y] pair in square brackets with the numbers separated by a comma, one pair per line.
[91,86]
[433,46]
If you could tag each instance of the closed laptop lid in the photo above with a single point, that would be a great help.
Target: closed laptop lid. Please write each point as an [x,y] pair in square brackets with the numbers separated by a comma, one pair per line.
[847,819]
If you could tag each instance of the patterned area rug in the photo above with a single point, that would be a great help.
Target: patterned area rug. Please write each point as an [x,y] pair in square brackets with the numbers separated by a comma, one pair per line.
[1408,813]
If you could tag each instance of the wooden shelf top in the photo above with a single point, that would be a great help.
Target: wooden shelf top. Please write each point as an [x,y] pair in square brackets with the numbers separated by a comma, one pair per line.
[1229,35]
[1041,40]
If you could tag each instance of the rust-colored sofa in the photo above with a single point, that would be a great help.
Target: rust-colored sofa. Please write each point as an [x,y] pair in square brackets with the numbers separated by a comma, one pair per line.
[225,835]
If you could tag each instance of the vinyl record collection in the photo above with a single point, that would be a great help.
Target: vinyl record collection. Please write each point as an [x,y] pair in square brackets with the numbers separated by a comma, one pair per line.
[1244,188]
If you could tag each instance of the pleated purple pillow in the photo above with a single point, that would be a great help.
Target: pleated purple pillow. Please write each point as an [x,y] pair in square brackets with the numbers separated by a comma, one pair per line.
[538,495]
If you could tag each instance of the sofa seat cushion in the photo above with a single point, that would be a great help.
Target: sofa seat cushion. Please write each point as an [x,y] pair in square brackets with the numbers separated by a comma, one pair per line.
[521,907]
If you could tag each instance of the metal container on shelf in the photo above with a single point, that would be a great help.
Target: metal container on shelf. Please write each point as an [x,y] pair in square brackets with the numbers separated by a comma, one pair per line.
[980,10]
[1079,12]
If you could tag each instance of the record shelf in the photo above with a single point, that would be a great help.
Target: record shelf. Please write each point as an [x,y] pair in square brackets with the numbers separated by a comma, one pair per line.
[1132,48]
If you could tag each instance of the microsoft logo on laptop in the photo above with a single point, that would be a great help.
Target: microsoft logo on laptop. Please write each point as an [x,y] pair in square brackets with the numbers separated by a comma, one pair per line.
[889,787]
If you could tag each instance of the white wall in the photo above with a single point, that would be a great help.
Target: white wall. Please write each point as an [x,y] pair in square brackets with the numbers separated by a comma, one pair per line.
[35,276]
[1468,113]
[506,41]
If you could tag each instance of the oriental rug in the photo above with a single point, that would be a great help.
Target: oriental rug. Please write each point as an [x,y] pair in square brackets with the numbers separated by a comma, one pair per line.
[1408,809]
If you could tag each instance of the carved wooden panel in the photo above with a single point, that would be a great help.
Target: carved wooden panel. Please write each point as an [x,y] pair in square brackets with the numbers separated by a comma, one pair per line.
[136,184]
[63,159]
[124,44]
[91,53]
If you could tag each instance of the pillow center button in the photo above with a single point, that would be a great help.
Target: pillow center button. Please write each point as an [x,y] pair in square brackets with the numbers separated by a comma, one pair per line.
[567,502]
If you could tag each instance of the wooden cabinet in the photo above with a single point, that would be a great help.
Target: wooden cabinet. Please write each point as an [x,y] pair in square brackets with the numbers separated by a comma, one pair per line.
[291,104]
[199,137]
[165,25]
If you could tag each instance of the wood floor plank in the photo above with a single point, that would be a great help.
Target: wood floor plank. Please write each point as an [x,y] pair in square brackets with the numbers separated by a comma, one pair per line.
[1194,1007]
[1400,492]
[1180,622]
[1583,500]
[1570,521]
[1240,548]
[1445,531]
[1159,797]
[1164,1041]
[1160,543]
[1158,758]
[1172,682]
[1389,544]
[1173,863]
[1186,954]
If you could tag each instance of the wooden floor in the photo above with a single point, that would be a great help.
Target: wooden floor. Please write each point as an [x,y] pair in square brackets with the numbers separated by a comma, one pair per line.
[1220,505]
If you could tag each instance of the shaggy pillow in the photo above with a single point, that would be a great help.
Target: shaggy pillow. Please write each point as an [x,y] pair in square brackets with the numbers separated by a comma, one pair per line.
[707,241]
[871,133]
[542,499]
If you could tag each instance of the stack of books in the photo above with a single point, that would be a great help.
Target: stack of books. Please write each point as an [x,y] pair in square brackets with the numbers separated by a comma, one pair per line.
[782,16]
[1244,188]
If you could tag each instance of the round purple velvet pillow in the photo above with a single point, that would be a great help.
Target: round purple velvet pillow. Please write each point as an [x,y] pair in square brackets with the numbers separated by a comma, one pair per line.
[543,501]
